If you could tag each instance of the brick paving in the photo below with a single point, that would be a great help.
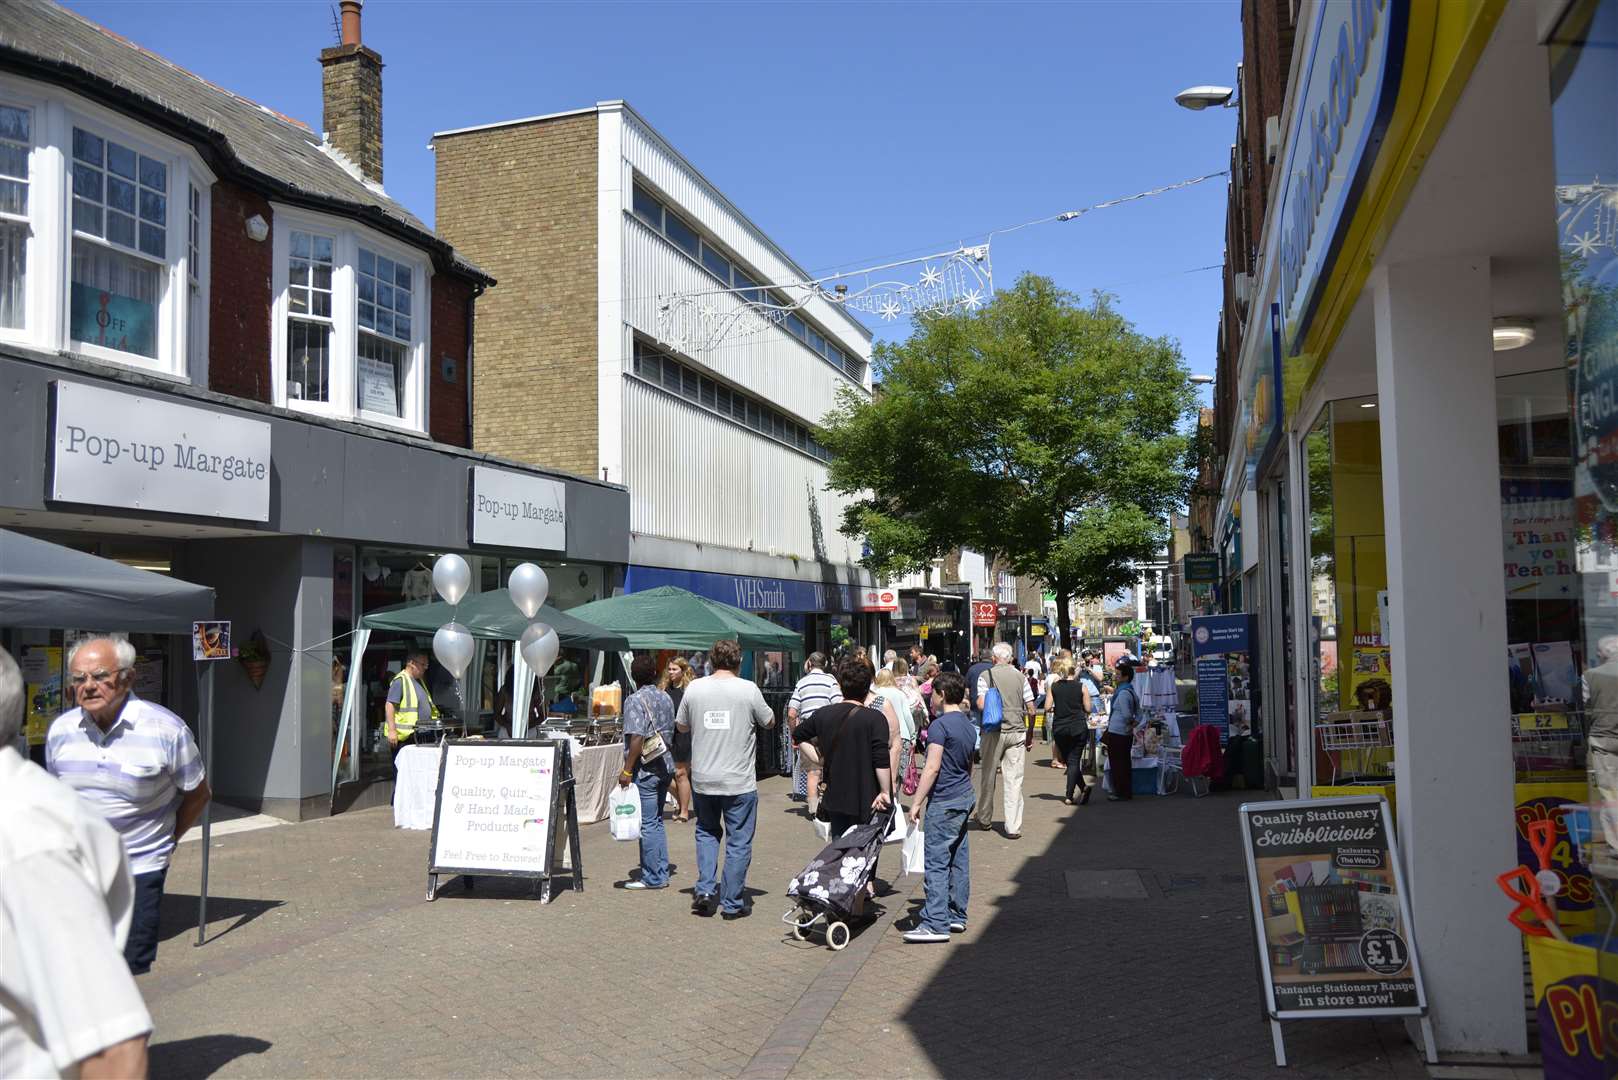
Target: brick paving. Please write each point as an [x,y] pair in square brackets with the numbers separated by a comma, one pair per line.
[325,960]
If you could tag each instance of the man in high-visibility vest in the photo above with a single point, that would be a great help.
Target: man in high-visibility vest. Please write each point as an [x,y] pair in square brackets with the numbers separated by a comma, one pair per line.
[408,699]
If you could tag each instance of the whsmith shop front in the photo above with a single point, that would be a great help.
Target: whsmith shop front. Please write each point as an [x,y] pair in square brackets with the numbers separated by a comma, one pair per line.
[301,526]
[1428,454]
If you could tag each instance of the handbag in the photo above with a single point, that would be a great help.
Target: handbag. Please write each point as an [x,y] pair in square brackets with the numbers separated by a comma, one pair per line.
[652,747]
[912,778]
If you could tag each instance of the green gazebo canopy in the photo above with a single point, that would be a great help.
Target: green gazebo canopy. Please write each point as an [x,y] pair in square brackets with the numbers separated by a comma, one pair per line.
[493,615]
[673,618]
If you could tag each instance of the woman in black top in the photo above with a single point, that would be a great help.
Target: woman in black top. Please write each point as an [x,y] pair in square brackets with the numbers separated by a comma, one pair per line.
[1069,704]
[676,677]
[849,742]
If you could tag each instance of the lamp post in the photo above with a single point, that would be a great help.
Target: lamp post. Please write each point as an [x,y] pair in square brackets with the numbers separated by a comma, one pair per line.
[1197,98]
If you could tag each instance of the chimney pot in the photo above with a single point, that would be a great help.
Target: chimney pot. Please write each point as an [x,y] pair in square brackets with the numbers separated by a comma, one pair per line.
[351,20]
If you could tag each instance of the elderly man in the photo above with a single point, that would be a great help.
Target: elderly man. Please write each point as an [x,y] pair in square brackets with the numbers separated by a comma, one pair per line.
[134,762]
[1005,751]
[68,1005]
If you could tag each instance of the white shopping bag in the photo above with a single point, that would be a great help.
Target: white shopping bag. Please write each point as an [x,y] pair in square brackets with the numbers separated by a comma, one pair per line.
[896,834]
[823,830]
[914,851]
[623,811]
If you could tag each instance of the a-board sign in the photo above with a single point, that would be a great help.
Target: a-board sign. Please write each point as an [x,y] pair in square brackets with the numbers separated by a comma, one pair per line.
[1330,911]
[498,809]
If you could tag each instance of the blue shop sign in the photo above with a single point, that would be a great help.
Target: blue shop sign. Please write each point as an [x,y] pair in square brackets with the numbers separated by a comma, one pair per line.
[1221,634]
[749,593]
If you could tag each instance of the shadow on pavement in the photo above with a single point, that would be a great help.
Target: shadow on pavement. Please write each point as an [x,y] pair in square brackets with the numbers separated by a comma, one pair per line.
[1126,945]
[185,1059]
[178,914]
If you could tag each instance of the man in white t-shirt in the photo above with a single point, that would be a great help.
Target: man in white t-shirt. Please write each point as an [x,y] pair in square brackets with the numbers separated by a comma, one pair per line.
[68,1004]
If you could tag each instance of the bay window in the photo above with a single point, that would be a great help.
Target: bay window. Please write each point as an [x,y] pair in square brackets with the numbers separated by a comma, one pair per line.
[88,262]
[350,332]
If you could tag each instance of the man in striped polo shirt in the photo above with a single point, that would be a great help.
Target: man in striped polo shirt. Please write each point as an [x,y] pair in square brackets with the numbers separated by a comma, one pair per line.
[136,764]
[817,688]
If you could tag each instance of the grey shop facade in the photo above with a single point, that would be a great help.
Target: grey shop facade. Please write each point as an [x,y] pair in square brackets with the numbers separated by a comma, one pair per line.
[301,525]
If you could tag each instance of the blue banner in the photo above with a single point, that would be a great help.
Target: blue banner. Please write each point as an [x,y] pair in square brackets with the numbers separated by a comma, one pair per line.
[749,593]
[1221,633]
[1213,695]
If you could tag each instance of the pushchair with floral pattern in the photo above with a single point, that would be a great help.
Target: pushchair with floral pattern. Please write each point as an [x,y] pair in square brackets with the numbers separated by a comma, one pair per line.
[830,888]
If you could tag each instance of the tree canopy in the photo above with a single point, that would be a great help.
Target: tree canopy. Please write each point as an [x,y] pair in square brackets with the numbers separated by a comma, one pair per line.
[1042,431]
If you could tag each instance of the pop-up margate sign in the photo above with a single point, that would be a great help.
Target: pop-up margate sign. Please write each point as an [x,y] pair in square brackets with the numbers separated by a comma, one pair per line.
[1330,912]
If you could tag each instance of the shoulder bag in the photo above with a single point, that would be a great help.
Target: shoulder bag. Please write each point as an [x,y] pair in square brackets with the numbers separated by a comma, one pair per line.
[994,710]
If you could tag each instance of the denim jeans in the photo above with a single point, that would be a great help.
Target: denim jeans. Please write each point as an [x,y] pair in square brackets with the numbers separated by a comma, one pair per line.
[733,818]
[141,947]
[947,875]
[654,840]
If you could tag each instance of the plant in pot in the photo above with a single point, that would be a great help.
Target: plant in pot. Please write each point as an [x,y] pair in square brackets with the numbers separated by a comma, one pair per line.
[254,656]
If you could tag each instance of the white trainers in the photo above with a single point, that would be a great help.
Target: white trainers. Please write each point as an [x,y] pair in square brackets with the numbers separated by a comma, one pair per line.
[957,928]
[924,937]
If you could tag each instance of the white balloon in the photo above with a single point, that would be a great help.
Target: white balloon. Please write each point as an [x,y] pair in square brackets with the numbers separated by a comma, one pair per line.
[453,647]
[539,645]
[451,577]
[529,589]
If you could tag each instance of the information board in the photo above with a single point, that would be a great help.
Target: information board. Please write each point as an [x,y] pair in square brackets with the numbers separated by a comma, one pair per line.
[1330,912]
[1213,694]
[498,809]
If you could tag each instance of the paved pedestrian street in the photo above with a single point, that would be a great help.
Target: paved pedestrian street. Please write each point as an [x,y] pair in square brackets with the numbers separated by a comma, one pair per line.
[1111,940]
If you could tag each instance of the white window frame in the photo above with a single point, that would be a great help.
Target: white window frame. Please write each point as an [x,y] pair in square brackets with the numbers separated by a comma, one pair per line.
[47,325]
[347,238]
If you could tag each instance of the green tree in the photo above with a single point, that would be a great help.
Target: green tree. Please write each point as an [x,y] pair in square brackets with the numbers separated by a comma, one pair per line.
[1042,431]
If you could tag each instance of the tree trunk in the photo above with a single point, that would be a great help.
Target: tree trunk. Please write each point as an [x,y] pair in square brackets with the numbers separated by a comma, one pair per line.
[1064,617]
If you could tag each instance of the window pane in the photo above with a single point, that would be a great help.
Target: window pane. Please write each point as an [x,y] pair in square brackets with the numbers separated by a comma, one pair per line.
[379,387]
[86,217]
[367,262]
[300,245]
[86,147]
[121,229]
[154,174]
[86,182]
[152,240]
[153,207]
[671,375]
[13,197]
[401,327]
[115,299]
[401,276]
[13,160]
[795,324]
[121,160]
[651,366]
[322,248]
[816,342]
[649,209]
[368,316]
[681,234]
[367,288]
[308,361]
[384,321]
[13,271]
[120,194]
[13,123]
[688,383]
[717,264]
[708,392]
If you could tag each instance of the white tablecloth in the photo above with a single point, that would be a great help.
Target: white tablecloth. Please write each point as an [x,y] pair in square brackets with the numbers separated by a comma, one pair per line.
[595,771]
[416,787]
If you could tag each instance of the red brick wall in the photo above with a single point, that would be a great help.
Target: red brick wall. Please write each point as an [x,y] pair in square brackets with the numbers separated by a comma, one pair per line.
[239,297]
[447,399]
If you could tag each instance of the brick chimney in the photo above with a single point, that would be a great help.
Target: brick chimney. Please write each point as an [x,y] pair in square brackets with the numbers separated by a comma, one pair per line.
[351,92]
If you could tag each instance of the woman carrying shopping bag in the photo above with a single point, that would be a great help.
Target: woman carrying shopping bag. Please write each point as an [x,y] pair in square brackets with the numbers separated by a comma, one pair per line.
[649,765]
[946,791]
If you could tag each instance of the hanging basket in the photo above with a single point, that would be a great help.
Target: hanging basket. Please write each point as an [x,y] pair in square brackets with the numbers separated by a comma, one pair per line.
[256,670]
[254,658]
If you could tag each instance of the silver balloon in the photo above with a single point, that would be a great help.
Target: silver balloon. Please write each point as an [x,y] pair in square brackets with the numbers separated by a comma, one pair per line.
[529,589]
[539,645]
[453,647]
[451,577]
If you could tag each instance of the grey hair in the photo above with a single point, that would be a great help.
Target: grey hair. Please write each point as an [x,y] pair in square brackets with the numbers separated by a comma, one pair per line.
[11,699]
[1003,652]
[121,647]
[890,656]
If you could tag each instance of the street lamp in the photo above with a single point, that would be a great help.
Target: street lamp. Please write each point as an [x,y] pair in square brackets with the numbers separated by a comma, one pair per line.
[1197,98]
[1202,380]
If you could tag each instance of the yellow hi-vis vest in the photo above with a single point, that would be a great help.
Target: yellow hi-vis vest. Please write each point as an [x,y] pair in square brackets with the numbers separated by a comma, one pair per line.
[405,714]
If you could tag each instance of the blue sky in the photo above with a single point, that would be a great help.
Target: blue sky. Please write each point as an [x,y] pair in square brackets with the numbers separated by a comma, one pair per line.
[848,132]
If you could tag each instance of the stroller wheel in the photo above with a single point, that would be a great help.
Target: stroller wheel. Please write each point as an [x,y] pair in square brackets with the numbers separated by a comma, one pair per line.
[837,936]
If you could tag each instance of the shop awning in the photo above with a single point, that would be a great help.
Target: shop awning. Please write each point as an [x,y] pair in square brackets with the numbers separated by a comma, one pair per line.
[673,618]
[45,584]
[493,615]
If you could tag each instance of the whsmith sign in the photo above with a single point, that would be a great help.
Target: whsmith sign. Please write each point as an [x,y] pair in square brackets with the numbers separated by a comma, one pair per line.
[114,449]
[1349,86]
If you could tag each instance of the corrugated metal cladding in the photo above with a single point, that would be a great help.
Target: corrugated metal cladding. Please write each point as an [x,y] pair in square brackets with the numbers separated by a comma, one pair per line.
[771,363]
[695,477]
[650,157]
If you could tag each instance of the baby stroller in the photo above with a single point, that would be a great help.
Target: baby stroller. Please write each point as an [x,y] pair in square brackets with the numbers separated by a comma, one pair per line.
[827,889]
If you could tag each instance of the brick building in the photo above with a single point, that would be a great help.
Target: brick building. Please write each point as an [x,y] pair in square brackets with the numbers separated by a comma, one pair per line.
[189,276]
[605,238]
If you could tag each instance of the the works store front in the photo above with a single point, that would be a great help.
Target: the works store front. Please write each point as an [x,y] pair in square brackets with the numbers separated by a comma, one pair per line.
[302,526]
[1424,480]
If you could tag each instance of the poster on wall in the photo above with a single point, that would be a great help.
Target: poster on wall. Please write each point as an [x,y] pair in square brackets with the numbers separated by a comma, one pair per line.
[1540,530]
[112,321]
[1330,913]
[1370,673]
[42,688]
[1213,694]
[1557,675]
[378,389]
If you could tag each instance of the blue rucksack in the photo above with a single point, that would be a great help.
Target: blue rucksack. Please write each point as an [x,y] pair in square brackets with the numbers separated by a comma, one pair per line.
[994,709]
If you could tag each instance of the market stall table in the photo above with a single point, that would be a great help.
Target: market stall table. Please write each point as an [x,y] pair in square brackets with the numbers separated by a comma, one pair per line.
[416,786]
[595,773]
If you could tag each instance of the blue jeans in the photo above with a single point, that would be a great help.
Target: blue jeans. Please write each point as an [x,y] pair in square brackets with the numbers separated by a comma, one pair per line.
[141,947]
[733,818]
[947,879]
[654,840]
